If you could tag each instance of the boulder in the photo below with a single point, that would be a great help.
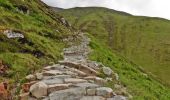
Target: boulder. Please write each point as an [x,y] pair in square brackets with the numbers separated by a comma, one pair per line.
[107,71]
[104,91]
[39,90]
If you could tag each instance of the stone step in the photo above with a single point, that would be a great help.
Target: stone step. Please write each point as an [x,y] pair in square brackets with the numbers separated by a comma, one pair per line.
[57,87]
[74,80]
[68,94]
[93,98]
[83,68]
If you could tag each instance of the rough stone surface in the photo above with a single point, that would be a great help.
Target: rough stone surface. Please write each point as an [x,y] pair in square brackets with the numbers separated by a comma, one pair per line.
[39,89]
[91,92]
[57,87]
[68,94]
[30,78]
[52,73]
[74,80]
[107,71]
[39,76]
[104,91]
[92,98]
[86,85]
[53,81]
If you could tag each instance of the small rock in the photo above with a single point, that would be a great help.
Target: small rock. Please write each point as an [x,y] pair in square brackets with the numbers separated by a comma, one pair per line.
[39,76]
[107,71]
[104,91]
[74,80]
[30,77]
[91,92]
[116,76]
[39,90]
[100,81]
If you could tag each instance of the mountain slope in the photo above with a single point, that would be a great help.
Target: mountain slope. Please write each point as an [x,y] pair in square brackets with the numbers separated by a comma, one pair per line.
[143,40]
[42,30]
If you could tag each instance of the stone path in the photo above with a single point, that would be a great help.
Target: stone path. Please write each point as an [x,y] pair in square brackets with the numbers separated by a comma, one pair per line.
[74,78]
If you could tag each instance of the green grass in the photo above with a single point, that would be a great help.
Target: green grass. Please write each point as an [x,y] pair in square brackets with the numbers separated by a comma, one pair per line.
[143,40]
[140,86]
[39,28]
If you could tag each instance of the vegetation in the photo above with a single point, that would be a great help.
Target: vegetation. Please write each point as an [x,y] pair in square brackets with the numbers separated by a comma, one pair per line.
[43,32]
[143,40]
[139,85]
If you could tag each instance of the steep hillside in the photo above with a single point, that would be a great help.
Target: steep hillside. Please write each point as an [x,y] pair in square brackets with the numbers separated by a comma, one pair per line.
[143,40]
[30,37]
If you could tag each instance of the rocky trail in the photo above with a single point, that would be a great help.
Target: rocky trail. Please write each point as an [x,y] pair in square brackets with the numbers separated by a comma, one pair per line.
[73,78]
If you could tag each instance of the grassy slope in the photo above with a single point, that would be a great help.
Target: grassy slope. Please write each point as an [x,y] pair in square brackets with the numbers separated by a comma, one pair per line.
[139,85]
[143,40]
[41,37]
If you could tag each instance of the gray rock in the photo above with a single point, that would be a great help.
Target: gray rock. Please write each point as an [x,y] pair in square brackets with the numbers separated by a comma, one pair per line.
[104,91]
[53,81]
[86,85]
[107,71]
[39,89]
[91,92]
[52,73]
[68,94]
[30,77]
[39,76]
[57,87]
[74,80]
[58,76]
[92,98]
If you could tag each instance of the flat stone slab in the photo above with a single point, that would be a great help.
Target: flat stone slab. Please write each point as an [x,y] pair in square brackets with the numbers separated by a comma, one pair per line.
[104,91]
[74,80]
[52,73]
[57,76]
[53,81]
[68,94]
[92,98]
[57,87]
[86,85]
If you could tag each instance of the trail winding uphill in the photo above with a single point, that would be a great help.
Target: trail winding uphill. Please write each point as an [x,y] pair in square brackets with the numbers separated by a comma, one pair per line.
[74,78]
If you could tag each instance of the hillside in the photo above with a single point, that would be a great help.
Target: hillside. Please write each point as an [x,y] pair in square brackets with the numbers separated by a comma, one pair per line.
[30,37]
[143,40]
